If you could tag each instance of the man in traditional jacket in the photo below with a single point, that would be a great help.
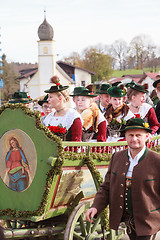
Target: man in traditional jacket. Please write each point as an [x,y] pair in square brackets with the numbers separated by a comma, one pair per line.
[132,186]
[104,98]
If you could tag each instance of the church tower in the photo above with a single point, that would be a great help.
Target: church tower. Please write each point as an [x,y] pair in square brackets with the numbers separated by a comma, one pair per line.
[46,56]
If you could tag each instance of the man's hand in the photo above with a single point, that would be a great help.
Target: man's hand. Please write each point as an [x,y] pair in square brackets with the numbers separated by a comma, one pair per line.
[90,214]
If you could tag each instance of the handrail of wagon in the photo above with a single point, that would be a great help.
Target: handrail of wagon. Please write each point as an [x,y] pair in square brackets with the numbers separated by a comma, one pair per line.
[103,147]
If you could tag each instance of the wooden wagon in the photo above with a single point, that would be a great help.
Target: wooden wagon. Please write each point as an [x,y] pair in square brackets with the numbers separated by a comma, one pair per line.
[46,185]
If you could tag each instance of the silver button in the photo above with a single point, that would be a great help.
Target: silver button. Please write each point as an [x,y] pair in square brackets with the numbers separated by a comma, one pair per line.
[121,195]
[122,185]
[123,174]
[127,163]
[126,208]
[120,206]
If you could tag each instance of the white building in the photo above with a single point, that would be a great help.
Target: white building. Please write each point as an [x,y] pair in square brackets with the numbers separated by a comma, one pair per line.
[35,81]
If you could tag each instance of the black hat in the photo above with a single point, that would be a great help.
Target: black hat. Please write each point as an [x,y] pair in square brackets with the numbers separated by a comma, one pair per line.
[77,91]
[155,83]
[103,89]
[20,97]
[137,87]
[116,92]
[44,100]
[137,123]
[57,87]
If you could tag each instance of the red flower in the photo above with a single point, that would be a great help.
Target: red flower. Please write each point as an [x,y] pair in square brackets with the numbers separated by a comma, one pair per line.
[42,114]
[58,130]
[58,84]
[137,115]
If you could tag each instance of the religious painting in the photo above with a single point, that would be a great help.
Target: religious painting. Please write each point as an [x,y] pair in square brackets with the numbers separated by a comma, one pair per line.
[18,160]
[73,181]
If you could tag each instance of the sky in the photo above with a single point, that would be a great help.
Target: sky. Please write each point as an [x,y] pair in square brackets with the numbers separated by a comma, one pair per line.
[77,24]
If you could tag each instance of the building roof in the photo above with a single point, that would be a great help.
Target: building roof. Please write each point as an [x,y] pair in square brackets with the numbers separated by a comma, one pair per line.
[29,72]
[73,66]
[45,31]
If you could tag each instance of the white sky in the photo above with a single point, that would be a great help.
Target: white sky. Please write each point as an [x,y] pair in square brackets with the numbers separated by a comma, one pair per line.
[77,24]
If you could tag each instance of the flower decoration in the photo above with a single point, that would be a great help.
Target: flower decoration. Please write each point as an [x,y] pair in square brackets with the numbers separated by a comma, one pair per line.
[137,115]
[42,114]
[118,121]
[146,125]
[57,82]
[58,130]
[124,91]
[91,93]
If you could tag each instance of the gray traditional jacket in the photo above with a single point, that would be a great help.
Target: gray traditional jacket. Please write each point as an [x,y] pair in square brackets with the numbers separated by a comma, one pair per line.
[145,192]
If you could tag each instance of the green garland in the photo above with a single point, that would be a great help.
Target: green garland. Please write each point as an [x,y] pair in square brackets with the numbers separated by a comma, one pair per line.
[89,162]
[56,170]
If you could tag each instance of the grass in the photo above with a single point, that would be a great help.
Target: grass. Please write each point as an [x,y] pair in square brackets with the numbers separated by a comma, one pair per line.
[118,73]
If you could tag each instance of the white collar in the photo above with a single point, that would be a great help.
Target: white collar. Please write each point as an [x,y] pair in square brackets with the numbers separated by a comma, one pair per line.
[101,107]
[138,156]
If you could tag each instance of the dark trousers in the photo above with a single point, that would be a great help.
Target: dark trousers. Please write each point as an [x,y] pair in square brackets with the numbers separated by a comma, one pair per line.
[133,236]
[131,231]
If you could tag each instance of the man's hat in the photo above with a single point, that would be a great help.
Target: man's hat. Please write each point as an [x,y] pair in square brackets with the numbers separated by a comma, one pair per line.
[20,97]
[103,89]
[155,83]
[116,92]
[44,100]
[57,87]
[137,123]
[116,83]
[137,87]
[77,91]
[87,93]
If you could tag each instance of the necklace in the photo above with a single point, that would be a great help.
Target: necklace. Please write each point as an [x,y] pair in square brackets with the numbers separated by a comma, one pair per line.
[60,110]
[134,106]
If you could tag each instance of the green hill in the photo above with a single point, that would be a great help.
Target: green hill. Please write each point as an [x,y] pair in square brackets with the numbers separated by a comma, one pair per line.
[118,73]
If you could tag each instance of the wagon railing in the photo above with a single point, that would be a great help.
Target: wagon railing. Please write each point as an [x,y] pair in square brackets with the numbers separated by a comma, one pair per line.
[104,147]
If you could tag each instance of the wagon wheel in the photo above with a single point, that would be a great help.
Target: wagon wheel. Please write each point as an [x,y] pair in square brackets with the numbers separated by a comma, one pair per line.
[78,228]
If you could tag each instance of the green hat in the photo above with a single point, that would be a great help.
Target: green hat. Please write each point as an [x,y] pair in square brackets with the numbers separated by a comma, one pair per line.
[103,89]
[87,93]
[137,123]
[116,92]
[136,87]
[156,82]
[56,88]
[44,100]
[77,91]
[116,83]
[20,97]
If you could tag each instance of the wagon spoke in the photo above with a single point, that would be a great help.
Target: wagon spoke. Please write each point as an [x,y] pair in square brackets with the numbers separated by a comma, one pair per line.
[75,234]
[82,225]
[88,227]
[95,224]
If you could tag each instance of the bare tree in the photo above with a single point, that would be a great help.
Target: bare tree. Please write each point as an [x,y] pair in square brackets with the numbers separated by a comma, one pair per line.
[119,51]
[139,50]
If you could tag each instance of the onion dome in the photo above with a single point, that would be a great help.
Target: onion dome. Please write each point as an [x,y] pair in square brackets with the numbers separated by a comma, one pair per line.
[45,31]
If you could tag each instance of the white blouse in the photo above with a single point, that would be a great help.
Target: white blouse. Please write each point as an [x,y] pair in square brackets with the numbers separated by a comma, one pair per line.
[66,120]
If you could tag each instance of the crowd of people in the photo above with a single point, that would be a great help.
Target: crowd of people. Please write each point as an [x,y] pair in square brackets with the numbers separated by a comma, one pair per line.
[121,112]
[96,120]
